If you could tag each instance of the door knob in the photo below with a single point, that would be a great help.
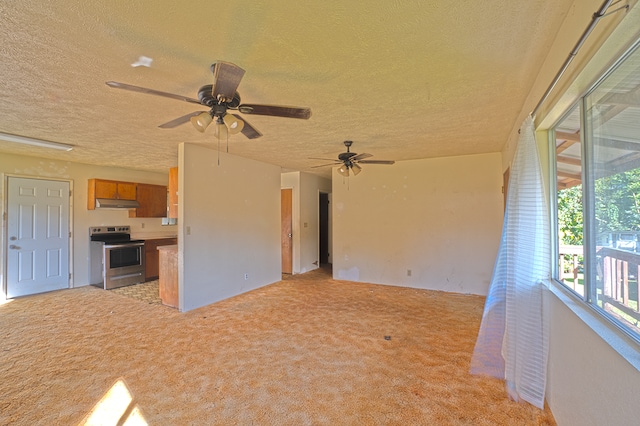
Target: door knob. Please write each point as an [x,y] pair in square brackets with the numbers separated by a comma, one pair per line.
[13,238]
[14,247]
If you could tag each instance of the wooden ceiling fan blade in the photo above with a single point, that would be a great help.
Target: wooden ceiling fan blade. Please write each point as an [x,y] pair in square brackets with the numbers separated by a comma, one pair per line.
[139,89]
[325,165]
[180,120]
[326,159]
[226,79]
[359,157]
[376,162]
[248,130]
[276,111]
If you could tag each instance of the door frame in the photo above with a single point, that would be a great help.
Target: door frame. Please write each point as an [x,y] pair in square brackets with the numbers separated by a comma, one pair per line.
[4,210]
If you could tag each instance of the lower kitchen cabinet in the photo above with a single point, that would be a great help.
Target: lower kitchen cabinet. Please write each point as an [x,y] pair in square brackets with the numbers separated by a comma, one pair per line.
[151,257]
[168,282]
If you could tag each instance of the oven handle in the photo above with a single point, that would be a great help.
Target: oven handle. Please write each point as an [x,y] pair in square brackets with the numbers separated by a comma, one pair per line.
[123,245]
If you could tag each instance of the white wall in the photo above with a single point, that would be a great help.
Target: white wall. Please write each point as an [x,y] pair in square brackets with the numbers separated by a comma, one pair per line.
[229,225]
[79,174]
[441,218]
[589,383]
[306,189]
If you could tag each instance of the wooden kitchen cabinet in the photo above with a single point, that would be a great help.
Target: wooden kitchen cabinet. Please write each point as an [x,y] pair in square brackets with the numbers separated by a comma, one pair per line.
[168,282]
[152,200]
[173,193]
[151,257]
[111,189]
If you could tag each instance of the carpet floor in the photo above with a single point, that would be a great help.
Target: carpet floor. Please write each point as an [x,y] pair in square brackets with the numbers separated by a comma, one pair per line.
[307,350]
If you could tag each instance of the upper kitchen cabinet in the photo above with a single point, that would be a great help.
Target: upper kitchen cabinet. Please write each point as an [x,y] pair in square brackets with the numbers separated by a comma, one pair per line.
[173,192]
[153,201]
[110,189]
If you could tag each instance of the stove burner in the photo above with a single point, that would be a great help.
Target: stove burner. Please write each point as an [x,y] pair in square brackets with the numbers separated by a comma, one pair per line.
[111,234]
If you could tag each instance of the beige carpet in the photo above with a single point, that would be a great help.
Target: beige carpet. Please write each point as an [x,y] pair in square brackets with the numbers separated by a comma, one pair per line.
[308,350]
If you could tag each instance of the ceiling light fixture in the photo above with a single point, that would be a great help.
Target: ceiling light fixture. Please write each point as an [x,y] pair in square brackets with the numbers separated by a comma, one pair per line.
[355,168]
[35,142]
[143,61]
[234,125]
[221,130]
[344,170]
[201,121]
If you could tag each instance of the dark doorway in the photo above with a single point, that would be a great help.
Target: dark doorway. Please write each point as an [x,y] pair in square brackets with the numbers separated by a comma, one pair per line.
[324,229]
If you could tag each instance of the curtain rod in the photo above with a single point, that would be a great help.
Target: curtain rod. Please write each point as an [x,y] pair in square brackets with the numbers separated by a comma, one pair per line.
[594,20]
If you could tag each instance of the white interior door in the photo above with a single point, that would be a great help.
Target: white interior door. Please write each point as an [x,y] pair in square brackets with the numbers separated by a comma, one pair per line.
[37,236]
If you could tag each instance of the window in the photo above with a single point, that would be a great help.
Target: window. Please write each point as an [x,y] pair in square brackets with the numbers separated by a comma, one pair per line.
[597,152]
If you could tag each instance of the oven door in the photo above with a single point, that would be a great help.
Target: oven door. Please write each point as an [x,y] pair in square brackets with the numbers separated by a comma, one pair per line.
[123,264]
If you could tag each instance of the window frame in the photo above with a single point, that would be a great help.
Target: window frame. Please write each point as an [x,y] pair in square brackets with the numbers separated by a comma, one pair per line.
[586,304]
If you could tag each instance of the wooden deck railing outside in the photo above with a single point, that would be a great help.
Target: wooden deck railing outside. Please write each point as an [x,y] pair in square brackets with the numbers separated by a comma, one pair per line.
[618,269]
[573,266]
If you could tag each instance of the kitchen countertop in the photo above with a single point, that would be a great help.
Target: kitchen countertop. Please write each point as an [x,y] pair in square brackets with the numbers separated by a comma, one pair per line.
[141,236]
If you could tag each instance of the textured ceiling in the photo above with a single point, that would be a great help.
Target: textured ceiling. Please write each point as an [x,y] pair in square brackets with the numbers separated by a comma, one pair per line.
[403,79]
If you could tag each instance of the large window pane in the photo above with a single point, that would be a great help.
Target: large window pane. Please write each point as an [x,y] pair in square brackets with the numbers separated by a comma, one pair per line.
[613,130]
[569,202]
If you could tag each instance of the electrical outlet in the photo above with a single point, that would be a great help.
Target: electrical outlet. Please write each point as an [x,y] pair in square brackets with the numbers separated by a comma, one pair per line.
[246,276]
[142,225]
[408,272]
[188,230]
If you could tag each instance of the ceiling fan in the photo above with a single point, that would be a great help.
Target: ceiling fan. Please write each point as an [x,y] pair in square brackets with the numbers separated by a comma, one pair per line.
[351,161]
[220,97]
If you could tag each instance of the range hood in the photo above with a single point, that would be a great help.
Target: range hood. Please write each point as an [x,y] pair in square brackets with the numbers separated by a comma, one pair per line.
[110,203]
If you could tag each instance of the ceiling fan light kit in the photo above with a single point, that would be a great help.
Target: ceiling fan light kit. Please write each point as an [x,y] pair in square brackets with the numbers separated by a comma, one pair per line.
[220,97]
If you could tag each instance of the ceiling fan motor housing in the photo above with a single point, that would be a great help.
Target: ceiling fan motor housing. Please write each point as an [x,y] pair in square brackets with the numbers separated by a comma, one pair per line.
[218,109]
[345,156]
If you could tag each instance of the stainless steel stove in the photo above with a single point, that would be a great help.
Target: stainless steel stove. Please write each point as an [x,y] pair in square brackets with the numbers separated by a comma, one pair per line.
[116,259]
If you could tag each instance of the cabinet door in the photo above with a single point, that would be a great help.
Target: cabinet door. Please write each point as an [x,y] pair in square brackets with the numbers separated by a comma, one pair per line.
[173,192]
[153,201]
[151,261]
[106,189]
[152,257]
[126,191]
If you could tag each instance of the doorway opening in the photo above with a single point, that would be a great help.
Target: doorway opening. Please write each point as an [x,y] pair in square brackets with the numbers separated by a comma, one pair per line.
[324,256]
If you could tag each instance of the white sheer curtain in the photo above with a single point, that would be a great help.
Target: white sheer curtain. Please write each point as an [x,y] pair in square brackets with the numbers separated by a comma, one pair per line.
[513,339]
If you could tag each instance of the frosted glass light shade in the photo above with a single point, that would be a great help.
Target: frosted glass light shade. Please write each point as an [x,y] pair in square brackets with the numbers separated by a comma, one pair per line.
[201,121]
[221,130]
[233,124]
